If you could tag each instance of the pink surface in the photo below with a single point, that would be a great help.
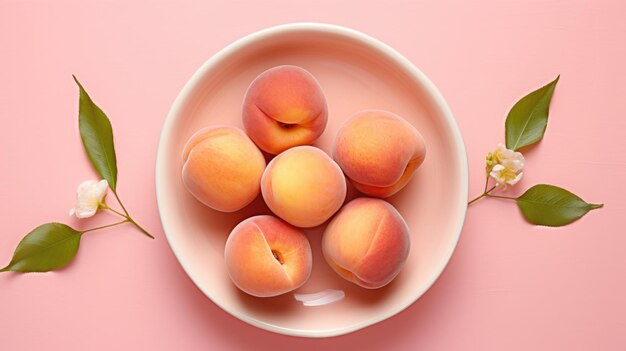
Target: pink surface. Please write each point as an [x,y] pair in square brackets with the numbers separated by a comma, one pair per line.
[508,286]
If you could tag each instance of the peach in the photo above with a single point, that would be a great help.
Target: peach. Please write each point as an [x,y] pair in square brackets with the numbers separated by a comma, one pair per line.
[265,256]
[284,107]
[379,152]
[303,186]
[367,242]
[222,168]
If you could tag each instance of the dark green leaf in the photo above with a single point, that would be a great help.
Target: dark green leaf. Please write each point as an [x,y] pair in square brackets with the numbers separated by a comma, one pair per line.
[97,136]
[47,247]
[528,118]
[552,206]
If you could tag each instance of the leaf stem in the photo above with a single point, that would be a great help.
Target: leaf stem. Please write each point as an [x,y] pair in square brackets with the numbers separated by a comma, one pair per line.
[126,215]
[105,226]
[120,202]
[501,197]
[106,207]
[486,183]
[477,198]
[485,193]
[140,228]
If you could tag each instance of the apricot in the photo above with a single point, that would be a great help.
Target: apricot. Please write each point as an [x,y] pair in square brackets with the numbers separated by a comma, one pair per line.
[303,186]
[265,256]
[367,242]
[379,152]
[222,168]
[284,107]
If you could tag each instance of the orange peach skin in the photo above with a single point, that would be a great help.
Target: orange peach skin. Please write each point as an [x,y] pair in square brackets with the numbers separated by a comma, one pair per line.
[267,257]
[222,168]
[303,186]
[379,152]
[367,242]
[284,107]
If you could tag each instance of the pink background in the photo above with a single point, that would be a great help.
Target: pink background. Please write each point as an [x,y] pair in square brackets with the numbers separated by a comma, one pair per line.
[509,285]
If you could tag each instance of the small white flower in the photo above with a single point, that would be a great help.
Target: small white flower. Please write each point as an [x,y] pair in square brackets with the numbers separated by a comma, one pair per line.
[509,158]
[504,175]
[505,166]
[89,196]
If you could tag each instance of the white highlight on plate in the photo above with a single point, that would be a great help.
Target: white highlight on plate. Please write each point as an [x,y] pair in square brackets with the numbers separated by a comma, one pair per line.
[321,298]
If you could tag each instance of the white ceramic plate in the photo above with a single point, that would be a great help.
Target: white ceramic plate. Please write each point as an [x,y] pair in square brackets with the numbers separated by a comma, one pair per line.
[356,72]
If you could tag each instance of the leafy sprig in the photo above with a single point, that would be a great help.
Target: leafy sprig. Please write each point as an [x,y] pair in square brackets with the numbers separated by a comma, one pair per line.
[542,204]
[53,245]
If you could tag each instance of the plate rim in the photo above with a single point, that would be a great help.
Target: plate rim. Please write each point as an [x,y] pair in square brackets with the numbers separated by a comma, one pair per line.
[374,44]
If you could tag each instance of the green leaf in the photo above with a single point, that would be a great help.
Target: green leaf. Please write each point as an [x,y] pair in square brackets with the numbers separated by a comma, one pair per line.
[47,247]
[97,135]
[528,118]
[552,206]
